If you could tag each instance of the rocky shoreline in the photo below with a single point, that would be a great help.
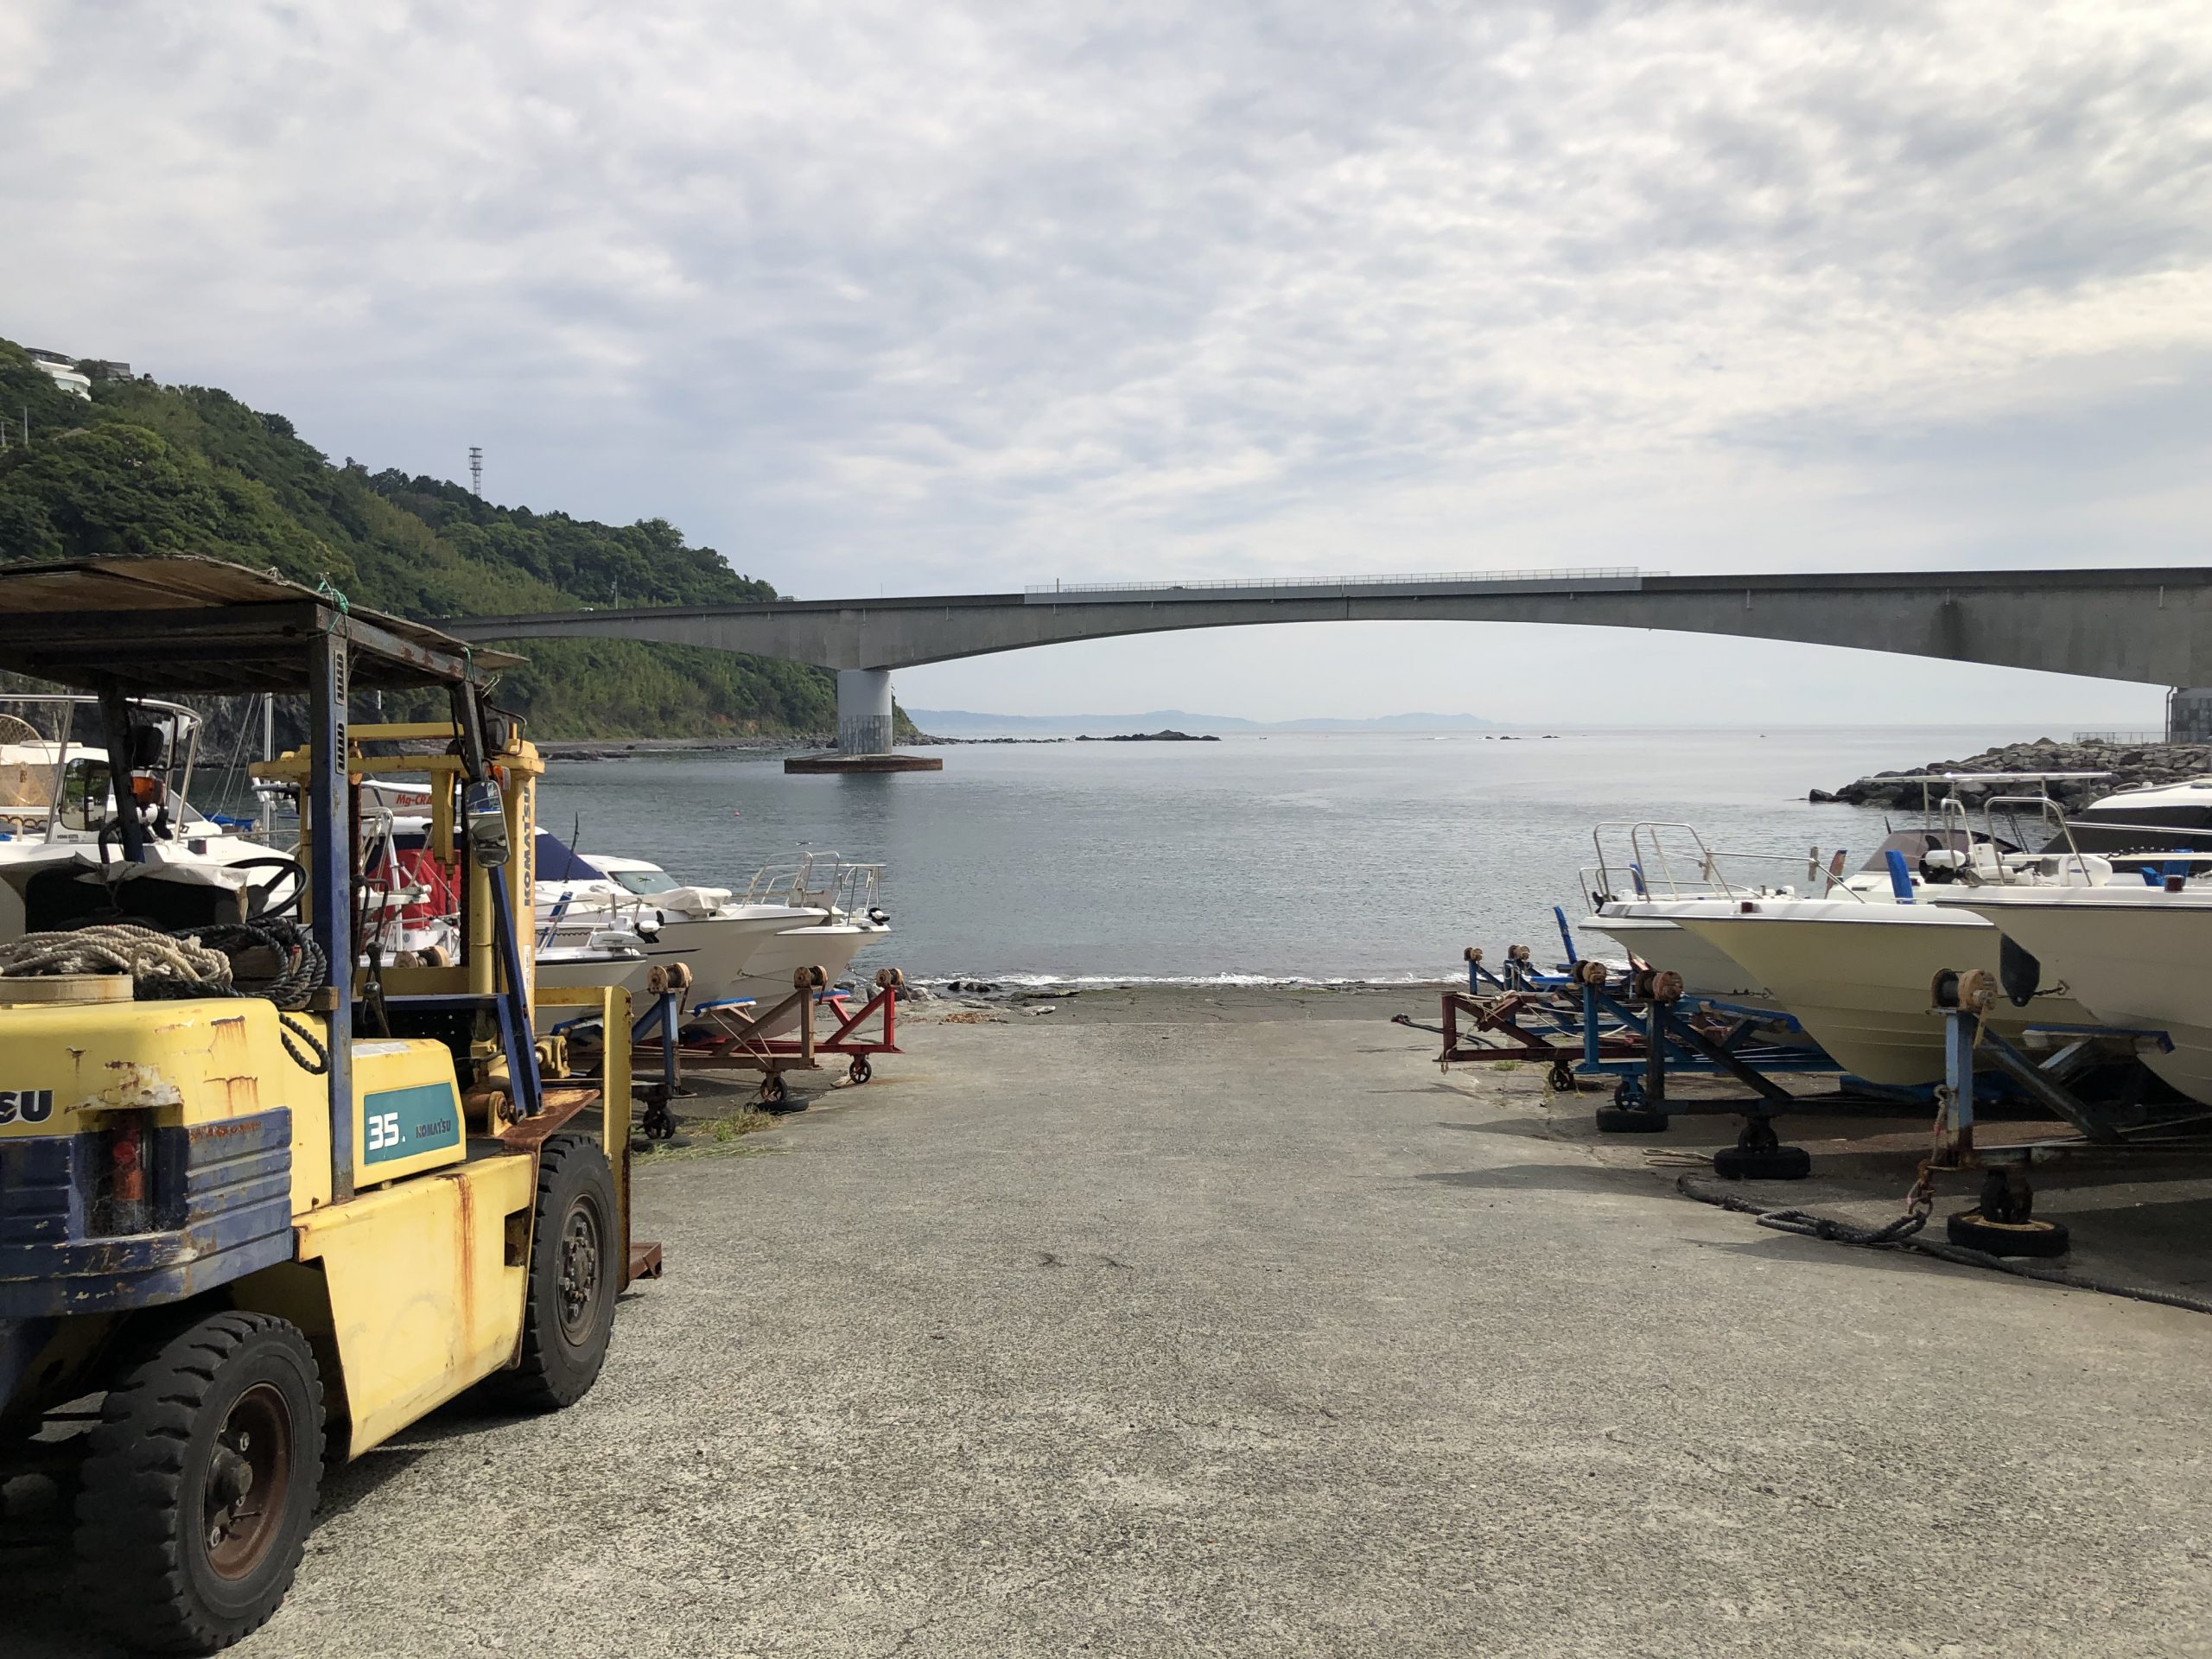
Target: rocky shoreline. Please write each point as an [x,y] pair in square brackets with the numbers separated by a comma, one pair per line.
[2130,765]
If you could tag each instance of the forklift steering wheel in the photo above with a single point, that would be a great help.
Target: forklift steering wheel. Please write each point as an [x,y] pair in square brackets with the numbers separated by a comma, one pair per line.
[261,907]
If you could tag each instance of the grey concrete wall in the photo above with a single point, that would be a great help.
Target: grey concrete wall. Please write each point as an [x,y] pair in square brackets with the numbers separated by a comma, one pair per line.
[2152,627]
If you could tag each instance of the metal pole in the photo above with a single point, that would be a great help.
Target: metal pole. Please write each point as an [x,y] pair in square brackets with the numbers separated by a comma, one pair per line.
[330,850]
[1654,1056]
[114,714]
[61,768]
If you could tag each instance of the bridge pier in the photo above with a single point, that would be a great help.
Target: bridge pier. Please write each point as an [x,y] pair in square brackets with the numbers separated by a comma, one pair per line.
[2188,714]
[864,730]
[863,711]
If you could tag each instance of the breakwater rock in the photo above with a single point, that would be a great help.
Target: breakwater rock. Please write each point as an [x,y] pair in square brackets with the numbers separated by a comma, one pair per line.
[2131,766]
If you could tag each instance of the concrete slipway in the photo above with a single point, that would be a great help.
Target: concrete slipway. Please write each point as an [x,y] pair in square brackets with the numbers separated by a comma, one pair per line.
[1226,1326]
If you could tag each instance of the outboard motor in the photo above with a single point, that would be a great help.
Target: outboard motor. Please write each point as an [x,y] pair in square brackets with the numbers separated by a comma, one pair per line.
[1941,864]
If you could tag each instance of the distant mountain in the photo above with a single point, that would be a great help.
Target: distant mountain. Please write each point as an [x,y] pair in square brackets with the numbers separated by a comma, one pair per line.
[964,723]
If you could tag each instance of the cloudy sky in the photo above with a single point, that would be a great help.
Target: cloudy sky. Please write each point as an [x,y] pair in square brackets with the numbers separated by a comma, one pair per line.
[910,297]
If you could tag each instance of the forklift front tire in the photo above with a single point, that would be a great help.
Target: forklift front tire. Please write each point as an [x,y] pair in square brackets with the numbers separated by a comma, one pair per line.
[199,1487]
[575,1273]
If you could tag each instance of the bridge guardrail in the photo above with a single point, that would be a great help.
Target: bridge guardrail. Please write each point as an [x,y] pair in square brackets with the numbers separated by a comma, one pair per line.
[1587,573]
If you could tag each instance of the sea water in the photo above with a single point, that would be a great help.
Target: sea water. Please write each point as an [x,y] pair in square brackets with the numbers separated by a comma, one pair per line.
[1322,858]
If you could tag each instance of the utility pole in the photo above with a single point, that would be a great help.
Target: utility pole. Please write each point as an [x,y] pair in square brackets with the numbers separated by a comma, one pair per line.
[476,470]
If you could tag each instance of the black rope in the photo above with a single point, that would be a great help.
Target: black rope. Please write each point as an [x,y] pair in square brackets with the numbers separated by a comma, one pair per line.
[288,1028]
[302,968]
[1901,1234]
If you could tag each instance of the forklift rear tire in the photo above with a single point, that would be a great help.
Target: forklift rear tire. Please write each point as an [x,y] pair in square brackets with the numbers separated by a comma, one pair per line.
[200,1486]
[575,1273]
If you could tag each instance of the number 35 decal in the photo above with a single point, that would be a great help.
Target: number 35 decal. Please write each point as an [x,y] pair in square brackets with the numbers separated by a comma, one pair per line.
[383,1131]
[32,1105]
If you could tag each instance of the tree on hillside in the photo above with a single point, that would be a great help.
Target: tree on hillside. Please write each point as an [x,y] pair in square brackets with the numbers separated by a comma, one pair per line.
[152,469]
[113,491]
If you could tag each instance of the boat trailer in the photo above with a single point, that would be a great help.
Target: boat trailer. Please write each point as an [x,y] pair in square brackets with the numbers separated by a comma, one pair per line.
[2004,1222]
[736,1036]
[1640,1030]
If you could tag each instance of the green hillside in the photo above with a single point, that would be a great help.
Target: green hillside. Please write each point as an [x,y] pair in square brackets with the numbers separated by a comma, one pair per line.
[147,468]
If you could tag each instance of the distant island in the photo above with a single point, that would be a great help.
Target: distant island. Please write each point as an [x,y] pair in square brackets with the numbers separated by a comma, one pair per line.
[963,722]
[1163,737]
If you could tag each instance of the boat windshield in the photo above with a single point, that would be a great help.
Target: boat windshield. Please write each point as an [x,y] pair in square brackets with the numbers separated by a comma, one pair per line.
[644,881]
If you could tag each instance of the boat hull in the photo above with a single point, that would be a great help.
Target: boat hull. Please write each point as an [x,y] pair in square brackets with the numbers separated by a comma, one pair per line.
[1707,969]
[2136,960]
[1858,979]
[718,950]
[768,978]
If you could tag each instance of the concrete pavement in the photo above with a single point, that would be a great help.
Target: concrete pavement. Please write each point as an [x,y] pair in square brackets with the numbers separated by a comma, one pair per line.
[1228,1326]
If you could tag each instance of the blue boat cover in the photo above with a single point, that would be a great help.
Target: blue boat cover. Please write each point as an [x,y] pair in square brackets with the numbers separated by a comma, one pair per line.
[557,861]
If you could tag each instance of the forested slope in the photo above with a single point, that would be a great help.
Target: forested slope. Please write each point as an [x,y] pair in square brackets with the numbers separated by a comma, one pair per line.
[147,468]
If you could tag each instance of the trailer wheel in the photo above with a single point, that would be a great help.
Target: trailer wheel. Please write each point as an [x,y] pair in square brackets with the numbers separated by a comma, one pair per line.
[1763,1163]
[200,1486]
[1560,1080]
[1622,1119]
[860,1071]
[569,1299]
[1971,1230]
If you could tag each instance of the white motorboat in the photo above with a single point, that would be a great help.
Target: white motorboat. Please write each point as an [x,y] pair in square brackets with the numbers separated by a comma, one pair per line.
[1856,976]
[1853,954]
[1852,966]
[734,946]
[2135,956]
[1646,873]
[608,958]
[697,926]
[846,897]
[58,788]
[2161,817]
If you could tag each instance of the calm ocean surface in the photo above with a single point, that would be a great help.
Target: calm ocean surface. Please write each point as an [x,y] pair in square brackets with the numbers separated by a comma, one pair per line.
[1320,857]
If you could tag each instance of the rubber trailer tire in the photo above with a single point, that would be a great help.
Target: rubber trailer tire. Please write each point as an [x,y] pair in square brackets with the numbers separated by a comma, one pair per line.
[225,1415]
[1617,1120]
[1970,1231]
[1775,1164]
[575,1272]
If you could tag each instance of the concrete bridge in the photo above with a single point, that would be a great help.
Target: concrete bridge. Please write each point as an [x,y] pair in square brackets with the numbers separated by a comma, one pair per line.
[2154,625]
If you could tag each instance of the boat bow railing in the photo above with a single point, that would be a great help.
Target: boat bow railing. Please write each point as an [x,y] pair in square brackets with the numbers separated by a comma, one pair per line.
[1672,861]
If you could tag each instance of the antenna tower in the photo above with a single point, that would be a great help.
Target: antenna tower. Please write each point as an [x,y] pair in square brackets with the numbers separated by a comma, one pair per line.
[476,470]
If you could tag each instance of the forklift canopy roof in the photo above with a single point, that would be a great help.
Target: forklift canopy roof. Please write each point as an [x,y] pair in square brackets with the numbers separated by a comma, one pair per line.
[191,624]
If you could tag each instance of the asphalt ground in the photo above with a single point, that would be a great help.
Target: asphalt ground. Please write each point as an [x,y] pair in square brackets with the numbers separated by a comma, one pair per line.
[1208,1324]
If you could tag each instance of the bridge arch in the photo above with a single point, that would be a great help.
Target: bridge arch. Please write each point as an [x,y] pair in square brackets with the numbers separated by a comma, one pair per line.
[2153,626]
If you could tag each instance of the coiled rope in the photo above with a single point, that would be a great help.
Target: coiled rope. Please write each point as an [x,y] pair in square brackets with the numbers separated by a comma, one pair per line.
[156,962]
[222,959]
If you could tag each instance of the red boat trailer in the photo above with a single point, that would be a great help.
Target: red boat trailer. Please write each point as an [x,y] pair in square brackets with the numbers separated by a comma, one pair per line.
[731,1039]
[1496,1031]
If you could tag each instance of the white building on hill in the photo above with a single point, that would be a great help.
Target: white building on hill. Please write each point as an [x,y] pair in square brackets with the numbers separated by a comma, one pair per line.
[64,371]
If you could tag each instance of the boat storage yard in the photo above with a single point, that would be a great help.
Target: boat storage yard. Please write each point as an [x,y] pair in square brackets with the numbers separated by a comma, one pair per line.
[1800,1255]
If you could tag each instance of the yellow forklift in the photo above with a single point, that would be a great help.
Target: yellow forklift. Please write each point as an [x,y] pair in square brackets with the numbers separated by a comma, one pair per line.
[266,1199]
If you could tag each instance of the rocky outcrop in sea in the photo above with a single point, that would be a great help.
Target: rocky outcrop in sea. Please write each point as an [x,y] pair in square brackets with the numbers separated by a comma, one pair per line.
[2131,766]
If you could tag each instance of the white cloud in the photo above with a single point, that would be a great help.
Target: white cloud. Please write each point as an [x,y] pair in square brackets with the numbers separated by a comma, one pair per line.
[963,297]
